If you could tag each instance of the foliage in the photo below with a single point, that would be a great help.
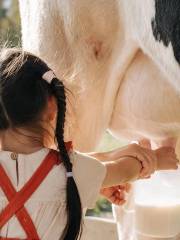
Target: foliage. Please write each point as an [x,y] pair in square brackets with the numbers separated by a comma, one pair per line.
[9,23]
[103,206]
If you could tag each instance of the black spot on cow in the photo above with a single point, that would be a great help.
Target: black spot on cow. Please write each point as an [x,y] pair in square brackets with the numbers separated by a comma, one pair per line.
[166,24]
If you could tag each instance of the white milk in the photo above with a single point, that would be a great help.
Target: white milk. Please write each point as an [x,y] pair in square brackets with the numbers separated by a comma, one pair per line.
[157,208]
[157,221]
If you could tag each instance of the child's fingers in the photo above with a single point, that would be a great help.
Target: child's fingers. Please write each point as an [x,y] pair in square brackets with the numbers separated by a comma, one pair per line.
[119,202]
[125,187]
[128,187]
[116,194]
[107,191]
[148,160]
[121,187]
[151,158]
[114,199]
[145,169]
[119,194]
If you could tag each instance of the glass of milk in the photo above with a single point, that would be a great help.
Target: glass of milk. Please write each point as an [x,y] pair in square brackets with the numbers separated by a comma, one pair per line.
[157,207]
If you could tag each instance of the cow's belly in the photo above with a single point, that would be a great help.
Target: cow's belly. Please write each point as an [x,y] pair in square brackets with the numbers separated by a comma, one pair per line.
[146,105]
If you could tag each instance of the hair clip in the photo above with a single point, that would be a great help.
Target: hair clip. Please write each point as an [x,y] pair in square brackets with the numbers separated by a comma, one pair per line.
[69,174]
[48,76]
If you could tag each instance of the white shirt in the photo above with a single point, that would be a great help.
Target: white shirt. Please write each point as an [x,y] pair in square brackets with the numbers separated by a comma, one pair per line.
[47,204]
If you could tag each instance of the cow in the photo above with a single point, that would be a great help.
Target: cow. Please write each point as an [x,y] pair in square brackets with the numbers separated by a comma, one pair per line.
[120,60]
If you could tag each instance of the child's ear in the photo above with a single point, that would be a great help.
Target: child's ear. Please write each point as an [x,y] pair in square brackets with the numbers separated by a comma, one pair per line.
[51,108]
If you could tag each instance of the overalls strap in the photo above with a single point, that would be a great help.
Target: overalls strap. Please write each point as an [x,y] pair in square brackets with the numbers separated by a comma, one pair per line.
[18,199]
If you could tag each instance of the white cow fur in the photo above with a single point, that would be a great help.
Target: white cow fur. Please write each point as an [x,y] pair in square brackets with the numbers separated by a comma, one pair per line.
[95,46]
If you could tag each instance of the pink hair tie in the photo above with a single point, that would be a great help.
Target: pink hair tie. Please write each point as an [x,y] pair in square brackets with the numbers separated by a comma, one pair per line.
[49,76]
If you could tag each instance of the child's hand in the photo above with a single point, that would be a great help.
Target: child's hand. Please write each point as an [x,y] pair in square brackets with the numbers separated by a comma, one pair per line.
[116,194]
[147,157]
[166,158]
[134,161]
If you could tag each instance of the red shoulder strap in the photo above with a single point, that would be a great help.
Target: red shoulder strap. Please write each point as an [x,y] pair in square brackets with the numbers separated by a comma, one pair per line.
[18,199]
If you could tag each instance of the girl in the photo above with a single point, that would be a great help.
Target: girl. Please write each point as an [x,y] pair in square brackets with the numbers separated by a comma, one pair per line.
[42,191]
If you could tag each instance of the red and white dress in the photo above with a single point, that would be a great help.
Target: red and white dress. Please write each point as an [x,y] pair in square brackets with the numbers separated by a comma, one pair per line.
[33,192]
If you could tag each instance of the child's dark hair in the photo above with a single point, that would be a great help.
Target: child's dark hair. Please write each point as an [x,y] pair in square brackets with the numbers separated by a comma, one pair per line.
[23,97]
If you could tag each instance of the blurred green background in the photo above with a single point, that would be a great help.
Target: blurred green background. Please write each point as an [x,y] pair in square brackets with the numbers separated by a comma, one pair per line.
[10,35]
[9,23]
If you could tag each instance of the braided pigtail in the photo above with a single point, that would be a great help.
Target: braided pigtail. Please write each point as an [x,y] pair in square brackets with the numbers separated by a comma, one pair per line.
[74,211]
